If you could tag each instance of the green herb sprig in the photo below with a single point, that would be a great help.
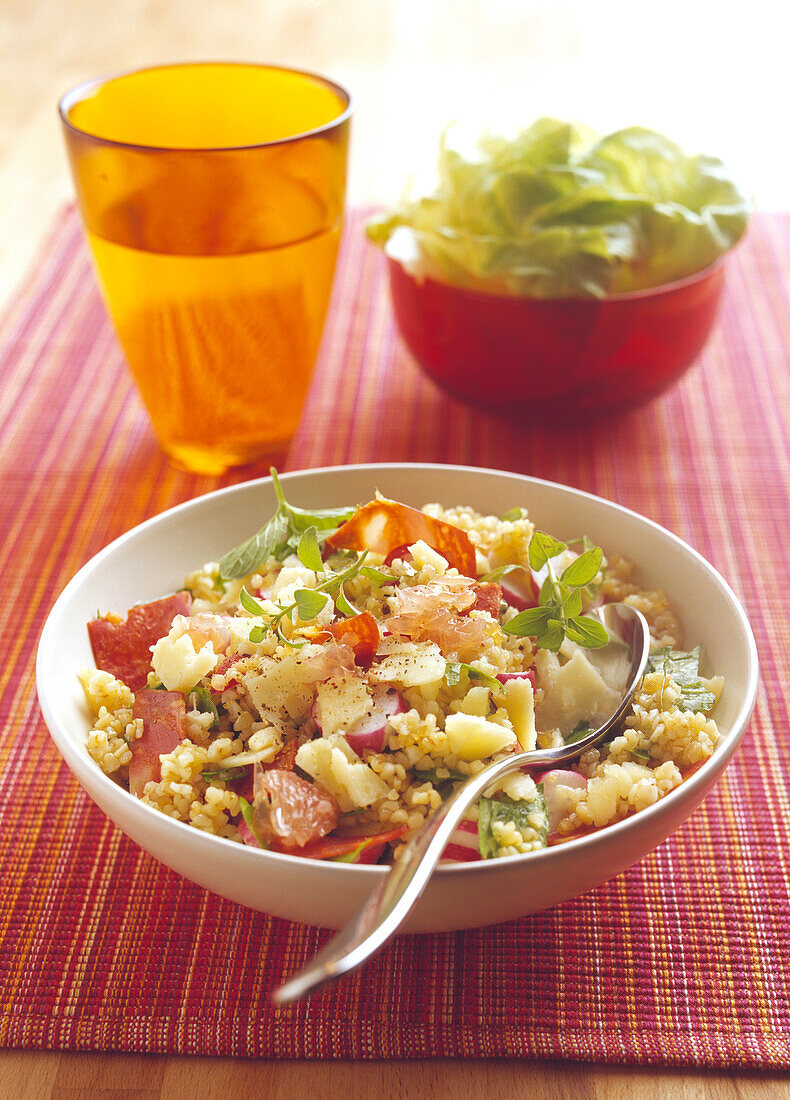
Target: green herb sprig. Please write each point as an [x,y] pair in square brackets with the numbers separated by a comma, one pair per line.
[559,611]
[308,603]
[206,705]
[578,734]
[290,530]
[226,775]
[281,534]
[454,670]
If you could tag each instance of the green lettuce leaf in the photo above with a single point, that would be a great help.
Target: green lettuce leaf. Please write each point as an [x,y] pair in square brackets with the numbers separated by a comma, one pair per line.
[560,212]
[683,669]
[490,810]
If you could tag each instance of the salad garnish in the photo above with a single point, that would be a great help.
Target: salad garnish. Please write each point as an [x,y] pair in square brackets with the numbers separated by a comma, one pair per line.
[281,534]
[683,669]
[559,611]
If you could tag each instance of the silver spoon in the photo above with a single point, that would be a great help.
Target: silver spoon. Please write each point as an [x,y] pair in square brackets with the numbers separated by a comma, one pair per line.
[392,901]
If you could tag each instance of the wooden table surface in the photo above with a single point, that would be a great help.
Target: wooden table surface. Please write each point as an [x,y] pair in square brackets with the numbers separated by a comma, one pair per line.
[411,65]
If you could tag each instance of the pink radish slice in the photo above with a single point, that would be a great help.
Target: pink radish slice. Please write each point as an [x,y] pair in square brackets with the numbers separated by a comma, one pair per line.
[519,589]
[462,846]
[246,833]
[527,674]
[368,733]
[555,806]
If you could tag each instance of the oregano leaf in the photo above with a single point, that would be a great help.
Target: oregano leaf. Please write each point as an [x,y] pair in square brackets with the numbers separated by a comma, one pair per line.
[250,604]
[584,569]
[528,623]
[309,603]
[572,605]
[309,552]
[588,632]
[542,547]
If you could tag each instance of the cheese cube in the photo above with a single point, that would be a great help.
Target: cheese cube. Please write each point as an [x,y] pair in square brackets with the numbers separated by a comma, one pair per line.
[338,769]
[408,664]
[423,554]
[519,702]
[340,702]
[177,664]
[282,683]
[475,738]
[574,693]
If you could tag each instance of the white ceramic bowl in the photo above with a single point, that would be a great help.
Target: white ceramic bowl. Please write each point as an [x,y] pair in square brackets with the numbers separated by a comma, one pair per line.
[153,559]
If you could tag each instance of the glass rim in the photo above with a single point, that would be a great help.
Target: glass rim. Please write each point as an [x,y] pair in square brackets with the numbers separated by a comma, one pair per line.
[78,93]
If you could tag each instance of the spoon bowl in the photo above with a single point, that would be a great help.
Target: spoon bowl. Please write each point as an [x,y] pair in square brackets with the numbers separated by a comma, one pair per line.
[391,902]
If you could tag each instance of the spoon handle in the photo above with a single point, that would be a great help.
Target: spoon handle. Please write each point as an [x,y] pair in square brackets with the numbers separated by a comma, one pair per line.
[389,904]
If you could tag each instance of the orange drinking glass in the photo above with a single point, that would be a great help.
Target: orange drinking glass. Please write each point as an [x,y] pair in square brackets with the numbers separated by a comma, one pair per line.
[212,196]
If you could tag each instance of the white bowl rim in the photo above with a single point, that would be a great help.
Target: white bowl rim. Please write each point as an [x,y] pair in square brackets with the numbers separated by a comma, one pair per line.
[589,841]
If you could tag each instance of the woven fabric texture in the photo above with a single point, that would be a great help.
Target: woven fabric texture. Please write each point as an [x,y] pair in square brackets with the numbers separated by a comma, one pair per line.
[681,960]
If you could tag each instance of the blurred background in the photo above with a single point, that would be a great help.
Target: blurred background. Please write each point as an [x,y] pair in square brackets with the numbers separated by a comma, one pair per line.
[713,77]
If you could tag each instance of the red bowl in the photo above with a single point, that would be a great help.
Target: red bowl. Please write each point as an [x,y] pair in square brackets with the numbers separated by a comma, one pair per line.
[541,355]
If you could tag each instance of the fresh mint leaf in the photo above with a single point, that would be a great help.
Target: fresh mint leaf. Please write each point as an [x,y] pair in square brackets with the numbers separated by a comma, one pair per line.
[308,551]
[452,673]
[309,603]
[513,515]
[334,581]
[486,678]
[683,669]
[343,604]
[290,642]
[281,534]
[378,576]
[250,604]
[455,669]
[584,569]
[206,705]
[579,733]
[552,637]
[278,489]
[585,540]
[542,548]
[225,775]
[572,604]
[528,623]
[432,776]
[301,518]
[505,810]
[548,591]
[323,519]
[266,543]
[586,632]
[697,697]
[257,634]
[497,574]
[560,602]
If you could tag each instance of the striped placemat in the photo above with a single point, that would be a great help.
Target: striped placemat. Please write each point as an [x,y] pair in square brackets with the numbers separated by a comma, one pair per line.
[681,960]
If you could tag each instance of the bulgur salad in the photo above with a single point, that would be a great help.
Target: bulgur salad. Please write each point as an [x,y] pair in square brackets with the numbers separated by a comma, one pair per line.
[321,689]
